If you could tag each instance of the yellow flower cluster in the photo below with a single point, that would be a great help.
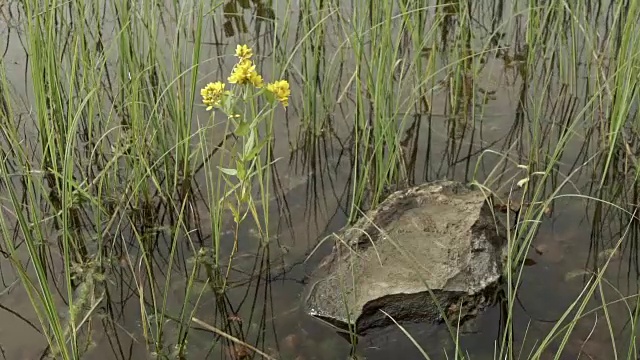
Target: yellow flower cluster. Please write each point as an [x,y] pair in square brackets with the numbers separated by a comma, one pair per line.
[281,91]
[244,52]
[244,72]
[212,94]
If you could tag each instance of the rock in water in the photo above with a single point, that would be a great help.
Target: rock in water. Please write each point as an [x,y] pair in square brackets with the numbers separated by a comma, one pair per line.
[437,241]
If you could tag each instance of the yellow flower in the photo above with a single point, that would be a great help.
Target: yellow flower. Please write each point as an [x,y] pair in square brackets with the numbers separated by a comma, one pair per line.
[245,72]
[256,80]
[240,72]
[212,94]
[243,52]
[281,90]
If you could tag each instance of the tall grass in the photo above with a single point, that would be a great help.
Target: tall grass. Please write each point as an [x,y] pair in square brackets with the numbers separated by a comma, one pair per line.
[115,119]
[128,185]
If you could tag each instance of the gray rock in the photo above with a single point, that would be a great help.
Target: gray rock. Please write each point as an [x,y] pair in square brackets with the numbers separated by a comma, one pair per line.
[427,252]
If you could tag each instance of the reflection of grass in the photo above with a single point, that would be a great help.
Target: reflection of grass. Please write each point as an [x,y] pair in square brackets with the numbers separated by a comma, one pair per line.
[112,179]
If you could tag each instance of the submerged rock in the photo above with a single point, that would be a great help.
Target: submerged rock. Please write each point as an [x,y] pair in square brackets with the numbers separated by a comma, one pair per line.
[437,241]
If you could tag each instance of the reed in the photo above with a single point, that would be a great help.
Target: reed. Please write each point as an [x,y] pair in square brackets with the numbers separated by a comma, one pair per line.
[117,182]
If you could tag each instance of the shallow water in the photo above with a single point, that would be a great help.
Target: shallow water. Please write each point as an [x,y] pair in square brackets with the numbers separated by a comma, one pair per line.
[311,196]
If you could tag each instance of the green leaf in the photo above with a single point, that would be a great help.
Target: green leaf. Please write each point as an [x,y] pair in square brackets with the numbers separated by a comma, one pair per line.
[234,211]
[241,171]
[243,129]
[249,144]
[270,97]
[256,150]
[230,172]
[246,194]
[226,102]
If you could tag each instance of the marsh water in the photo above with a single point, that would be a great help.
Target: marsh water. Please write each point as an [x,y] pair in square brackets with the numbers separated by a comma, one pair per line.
[311,192]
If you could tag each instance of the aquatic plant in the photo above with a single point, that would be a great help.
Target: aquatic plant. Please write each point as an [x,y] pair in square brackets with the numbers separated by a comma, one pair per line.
[116,184]
[242,108]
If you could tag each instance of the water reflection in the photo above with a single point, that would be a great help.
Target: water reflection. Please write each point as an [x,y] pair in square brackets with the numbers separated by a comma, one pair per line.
[157,269]
[235,19]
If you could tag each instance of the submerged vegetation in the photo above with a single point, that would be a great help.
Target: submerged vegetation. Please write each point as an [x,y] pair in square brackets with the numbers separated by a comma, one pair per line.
[151,209]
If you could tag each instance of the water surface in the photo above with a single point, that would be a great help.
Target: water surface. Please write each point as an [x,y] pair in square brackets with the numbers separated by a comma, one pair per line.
[312,190]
